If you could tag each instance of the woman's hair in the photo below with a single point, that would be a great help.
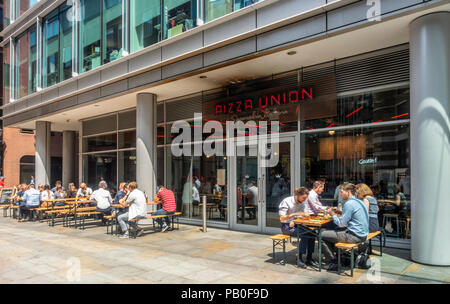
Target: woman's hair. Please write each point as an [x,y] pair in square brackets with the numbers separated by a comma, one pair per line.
[362,190]
[132,185]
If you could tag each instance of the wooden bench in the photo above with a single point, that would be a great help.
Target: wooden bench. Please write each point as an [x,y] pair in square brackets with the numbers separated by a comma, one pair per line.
[280,240]
[83,216]
[352,246]
[173,216]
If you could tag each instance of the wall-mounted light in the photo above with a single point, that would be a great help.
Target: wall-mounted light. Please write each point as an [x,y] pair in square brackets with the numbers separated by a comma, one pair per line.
[332,133]
[291,53]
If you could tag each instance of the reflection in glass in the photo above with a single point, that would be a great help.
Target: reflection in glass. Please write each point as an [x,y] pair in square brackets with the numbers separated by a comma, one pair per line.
[278,184]
[100,166]
[127,139]
[368,107]
[100,143]
[378,157]
[127,166]
[217,8]
[112,30]
[25,76]
[145,24]
[179,16]
[90,27]
[6,73]
[247,187]
[192,177]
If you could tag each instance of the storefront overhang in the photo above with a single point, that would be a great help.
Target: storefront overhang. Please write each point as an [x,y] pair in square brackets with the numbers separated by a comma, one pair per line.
[65,114]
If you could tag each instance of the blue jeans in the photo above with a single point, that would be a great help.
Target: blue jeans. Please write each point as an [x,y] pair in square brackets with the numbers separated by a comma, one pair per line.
[307,241]
[123,218]
[159,220]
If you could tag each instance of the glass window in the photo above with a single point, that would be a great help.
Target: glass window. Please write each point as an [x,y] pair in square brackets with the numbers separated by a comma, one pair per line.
[90,29]
[160,180]
[65,44]
[368,107]
[179,16]
[51,50]
[112,30]
[127,139]
[145,24]
[238,4]
[378,157]
[127,120]
[127,166]
[22,6]
[192,177]
[100,143]
[100,166]
[217,8]
[6,73]
[26,168]
[25,76]
[100,125]
[6,13]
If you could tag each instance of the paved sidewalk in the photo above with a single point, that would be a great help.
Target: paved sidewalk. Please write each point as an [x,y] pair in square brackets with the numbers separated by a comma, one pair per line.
[36,253]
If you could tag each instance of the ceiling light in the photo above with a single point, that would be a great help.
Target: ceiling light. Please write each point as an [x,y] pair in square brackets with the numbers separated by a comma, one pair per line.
[332,132]
[290,53]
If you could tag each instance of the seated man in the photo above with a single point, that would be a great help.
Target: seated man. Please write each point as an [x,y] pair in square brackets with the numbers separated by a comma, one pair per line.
[290,208]
[31,198]
[84,191]
[169,206]
[103,199]
[355,218]
[313,204]
[58,186]
[137,203]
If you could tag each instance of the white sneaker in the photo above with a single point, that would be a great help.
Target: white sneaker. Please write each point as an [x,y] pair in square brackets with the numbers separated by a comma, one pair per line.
[124,236]
[165,228]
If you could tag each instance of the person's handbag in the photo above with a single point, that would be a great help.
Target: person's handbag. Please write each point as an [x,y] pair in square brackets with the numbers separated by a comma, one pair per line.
[363,261]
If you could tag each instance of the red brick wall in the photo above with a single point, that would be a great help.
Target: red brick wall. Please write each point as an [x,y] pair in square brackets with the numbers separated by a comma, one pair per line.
[16,145]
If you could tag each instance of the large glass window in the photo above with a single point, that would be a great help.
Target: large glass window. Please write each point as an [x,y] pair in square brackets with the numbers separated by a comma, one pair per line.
[100,33]
[367,107]
[6,12]
[57,47]
[6,73]
[179,16]
[376,156]
[25,76]
[112,30]
[217,8]
[100,166]
[90,35]
[145,24]
[109,149]
[22,6]
[192,177]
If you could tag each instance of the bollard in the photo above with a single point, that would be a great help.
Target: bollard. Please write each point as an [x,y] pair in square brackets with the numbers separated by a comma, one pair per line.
[204,212]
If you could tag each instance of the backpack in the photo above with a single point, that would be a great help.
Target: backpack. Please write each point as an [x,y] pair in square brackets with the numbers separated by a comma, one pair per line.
[363,261]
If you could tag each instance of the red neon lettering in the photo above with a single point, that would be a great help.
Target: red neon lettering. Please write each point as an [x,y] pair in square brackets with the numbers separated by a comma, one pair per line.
[273,98]
[239,106]
[296,96]
[260,104]
[218,109]
[230,108]
[248,104]
[304,92]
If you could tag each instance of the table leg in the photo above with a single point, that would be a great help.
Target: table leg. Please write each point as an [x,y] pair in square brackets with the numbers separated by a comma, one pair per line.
[298,246]
[320,249]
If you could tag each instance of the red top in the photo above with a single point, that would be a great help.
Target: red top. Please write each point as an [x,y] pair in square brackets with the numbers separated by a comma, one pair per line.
[2,184]
[167,198]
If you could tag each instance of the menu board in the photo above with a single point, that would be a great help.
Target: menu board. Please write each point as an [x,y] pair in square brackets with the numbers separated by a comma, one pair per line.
[4,194]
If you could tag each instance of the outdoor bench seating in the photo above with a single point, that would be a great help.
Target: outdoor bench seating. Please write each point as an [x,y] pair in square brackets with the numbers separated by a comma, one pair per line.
[173,216]
[352,246]
[280,240]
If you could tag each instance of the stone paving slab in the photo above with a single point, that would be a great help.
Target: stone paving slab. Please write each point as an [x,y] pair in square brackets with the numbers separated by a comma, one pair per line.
[33,252]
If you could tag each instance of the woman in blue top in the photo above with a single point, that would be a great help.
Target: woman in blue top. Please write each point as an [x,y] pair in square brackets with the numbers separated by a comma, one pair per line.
[365,194]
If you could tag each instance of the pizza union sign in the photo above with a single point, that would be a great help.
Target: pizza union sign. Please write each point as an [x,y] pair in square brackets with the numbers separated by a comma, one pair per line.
[265,101]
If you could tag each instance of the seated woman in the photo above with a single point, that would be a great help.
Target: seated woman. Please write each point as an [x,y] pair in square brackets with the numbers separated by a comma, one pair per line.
[46,195]
[365,194]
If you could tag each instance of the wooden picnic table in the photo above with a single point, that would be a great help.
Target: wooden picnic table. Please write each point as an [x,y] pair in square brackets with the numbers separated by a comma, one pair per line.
[311,225]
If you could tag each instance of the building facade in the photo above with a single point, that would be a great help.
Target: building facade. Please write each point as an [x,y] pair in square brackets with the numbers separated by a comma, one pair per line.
[353,91]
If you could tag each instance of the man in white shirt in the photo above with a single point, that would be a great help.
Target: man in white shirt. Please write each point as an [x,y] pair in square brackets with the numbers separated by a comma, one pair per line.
[312,203]
[103,199]
[137,203]
[290,208]
[252,199]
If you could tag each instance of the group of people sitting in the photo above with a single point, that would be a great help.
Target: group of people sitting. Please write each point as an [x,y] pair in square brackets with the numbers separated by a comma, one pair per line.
[352,223]
[130,202]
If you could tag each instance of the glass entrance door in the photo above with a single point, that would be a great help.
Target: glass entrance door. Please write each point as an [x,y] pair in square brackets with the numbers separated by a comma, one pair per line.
[260,189]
